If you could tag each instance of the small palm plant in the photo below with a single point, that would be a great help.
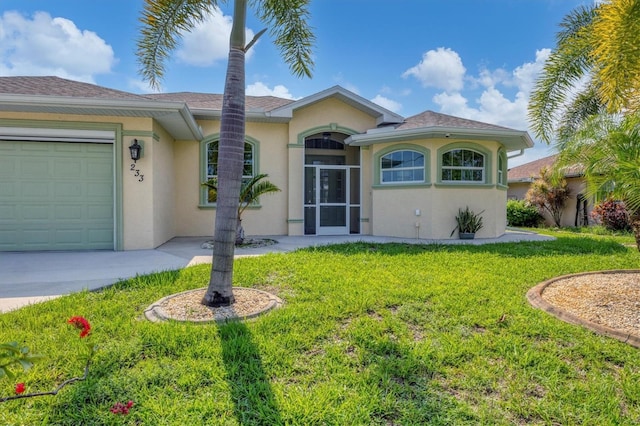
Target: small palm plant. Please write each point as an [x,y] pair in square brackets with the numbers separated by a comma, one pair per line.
[250,190]
[468,222]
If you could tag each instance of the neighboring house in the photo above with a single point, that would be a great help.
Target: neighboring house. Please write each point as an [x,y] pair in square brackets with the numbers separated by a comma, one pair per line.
[345,166]
[577,211]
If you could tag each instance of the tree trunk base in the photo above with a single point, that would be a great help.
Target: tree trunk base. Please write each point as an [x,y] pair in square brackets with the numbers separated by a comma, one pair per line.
[217,300]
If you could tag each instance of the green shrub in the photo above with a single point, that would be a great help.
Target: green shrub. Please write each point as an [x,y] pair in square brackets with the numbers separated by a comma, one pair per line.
[521,213]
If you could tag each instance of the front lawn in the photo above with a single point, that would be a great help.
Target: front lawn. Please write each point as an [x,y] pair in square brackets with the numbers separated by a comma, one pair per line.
[370,334]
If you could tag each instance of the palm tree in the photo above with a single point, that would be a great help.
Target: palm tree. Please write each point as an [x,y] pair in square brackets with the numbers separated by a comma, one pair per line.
[163,22]
[594,68]
[607,147]
[250,191]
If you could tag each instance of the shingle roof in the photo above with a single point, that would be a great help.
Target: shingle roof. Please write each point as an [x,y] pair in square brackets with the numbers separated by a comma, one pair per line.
[56,86]
[530,171]
[213,101]
[436,119]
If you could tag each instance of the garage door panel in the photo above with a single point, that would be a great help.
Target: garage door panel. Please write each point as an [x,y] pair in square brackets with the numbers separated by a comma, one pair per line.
[34,168]
[68,236]
[68,212]
[35,190]
[68,169]
[35,212]
[58,196]
[68,189]
[8,189]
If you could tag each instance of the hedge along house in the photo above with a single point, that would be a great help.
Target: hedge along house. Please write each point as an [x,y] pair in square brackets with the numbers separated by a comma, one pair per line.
[345,166]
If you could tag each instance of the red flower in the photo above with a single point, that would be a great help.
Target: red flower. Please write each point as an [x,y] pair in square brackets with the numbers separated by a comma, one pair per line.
[82,324]
[19,388]
[120,408]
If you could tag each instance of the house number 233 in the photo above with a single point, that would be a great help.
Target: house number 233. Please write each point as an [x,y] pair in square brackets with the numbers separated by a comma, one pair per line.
[136,173]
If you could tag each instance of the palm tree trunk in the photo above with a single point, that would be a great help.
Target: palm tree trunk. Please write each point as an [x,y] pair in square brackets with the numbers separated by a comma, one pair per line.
[230,165]
[634,220]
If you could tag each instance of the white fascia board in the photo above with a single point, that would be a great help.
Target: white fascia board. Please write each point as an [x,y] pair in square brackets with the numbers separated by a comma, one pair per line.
[512,139]
[44,134]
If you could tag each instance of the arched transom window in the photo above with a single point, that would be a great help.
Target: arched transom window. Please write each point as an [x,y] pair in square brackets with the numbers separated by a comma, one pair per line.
[463,165]
[402,166]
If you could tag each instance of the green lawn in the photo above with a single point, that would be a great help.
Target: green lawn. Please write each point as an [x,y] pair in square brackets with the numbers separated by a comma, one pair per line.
[370,334]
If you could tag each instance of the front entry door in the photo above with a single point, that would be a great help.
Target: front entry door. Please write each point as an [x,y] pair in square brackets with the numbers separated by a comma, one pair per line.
[326,200]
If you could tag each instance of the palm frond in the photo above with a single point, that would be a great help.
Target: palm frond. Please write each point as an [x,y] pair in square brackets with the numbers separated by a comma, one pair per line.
[617,32]
[288,25]
[163,22]
[566,66]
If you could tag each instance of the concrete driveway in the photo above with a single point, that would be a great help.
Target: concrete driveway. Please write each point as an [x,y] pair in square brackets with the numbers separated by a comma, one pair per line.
[30,277]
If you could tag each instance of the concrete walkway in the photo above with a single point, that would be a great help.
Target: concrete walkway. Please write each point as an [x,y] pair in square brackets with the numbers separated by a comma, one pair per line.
[31,277]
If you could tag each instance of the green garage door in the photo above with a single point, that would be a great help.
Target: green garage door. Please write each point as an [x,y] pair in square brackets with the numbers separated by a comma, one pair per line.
[56,196]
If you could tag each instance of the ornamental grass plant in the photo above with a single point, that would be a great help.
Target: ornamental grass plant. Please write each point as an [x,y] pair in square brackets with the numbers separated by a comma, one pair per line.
[370,334]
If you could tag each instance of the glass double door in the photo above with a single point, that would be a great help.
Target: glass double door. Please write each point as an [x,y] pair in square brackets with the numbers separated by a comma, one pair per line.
[328,196]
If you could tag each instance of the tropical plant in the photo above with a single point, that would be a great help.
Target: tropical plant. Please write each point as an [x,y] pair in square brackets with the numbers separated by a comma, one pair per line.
[468,222]
[594,68]
[250,190]
[549,193]
[608,149]
[521,213]
[163,22]
[612,215]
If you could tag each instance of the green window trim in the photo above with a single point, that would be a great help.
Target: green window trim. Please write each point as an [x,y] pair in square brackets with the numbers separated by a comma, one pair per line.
[378,169]
[204,170]
[501,180]
[487,170]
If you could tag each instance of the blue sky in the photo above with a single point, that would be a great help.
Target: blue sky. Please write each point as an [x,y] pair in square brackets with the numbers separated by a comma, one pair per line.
[476,59]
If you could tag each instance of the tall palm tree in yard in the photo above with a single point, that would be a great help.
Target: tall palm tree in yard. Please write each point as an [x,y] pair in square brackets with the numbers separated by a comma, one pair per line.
[607,147]
[594,68]
[163,22]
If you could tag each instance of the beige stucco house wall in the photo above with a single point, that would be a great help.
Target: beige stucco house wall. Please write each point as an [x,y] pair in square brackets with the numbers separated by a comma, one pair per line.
[329,153]
[520,179]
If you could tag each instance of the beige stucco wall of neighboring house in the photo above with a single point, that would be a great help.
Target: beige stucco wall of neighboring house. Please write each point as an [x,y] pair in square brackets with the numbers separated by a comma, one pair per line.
[394,207]
[325,116]
[518,191]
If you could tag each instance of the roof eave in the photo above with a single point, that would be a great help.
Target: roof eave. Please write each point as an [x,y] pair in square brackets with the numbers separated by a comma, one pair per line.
[174,116]
[512,139]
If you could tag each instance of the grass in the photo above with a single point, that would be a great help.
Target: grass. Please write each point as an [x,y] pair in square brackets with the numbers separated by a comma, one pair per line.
[371,334]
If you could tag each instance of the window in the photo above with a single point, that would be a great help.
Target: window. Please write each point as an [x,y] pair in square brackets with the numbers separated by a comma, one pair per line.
[212,164]
[402,166]
[463,165]
[502,167]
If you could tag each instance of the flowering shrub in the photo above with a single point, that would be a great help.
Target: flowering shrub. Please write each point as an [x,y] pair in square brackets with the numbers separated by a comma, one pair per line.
[82,324]
[11,354]
[20,388]
[612,215]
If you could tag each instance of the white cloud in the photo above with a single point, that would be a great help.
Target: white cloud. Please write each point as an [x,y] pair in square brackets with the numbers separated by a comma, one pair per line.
[208,42]
[441,68]
[261,89]
[51,46]
[387,103]
[142,86]
[492,106]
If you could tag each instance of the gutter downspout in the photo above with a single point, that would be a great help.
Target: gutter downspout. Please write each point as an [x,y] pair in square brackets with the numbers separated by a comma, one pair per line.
[509,157]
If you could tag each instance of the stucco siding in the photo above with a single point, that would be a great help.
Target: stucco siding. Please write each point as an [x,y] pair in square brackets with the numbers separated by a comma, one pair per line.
[163,187]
